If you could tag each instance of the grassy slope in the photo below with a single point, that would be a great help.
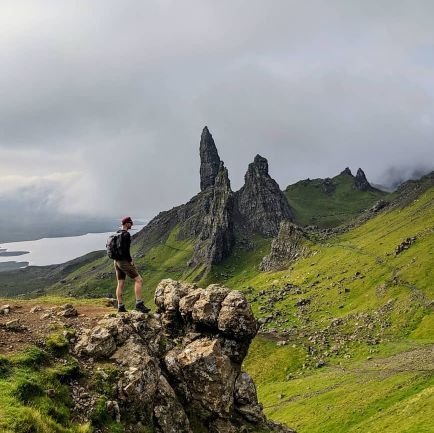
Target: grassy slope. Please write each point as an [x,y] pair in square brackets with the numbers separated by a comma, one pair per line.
[38,278]
[313,206]
[25,405]
[357,277]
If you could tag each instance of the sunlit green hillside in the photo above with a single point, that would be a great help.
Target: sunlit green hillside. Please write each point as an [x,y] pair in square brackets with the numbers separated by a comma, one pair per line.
[350,335]
[312,205]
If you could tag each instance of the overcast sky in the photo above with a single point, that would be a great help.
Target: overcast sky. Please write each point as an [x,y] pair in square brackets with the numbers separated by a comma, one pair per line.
[102,102]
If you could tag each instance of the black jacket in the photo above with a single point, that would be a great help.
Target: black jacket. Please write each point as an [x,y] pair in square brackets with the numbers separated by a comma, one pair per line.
[125,244]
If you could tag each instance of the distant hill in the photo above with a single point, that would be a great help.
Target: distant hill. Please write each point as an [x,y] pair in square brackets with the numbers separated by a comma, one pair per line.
[331,202]
[31,226]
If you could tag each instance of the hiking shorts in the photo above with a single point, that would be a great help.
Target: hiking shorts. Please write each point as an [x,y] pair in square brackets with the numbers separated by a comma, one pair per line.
[124,268]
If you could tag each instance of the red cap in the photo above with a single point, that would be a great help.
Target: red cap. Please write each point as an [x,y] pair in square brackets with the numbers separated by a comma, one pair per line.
[126,219]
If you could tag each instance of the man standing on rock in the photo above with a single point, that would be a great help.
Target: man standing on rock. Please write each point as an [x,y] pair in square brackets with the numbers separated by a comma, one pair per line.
[125,266]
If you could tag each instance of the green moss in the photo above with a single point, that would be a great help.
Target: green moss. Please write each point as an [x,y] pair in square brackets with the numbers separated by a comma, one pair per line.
[57,344]
[100,416]
[35,395]
[26,389]
[5,367]
[103,379]
[64,371]
[33,357]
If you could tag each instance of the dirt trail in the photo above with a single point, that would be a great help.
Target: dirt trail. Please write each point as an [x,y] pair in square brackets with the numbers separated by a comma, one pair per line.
[21,327]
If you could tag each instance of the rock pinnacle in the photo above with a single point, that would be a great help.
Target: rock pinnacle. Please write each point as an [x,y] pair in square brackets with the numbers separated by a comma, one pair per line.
[209,160]
[360,181]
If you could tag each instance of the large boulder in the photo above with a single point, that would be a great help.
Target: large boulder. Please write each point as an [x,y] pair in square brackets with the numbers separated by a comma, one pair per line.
[207,307]
[236,317]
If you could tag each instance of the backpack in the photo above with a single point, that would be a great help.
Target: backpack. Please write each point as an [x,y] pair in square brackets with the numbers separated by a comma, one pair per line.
[114,246]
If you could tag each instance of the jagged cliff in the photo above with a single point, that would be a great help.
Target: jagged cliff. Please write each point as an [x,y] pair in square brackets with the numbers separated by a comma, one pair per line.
[216,216]
[216,238]
[260,203]
[179,371]
[359,180]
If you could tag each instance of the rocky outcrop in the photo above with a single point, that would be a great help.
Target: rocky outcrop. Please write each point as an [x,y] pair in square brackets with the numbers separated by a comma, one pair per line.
[216,238]
[181,367]
[260,204]
[209,160]
[360,181]
[405,245]
[289,245]
[346,172]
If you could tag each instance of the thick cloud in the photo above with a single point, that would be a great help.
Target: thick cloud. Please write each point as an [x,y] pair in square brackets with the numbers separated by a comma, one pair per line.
[113,95]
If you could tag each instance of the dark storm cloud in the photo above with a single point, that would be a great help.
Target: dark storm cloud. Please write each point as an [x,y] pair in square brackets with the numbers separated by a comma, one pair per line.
[118,92]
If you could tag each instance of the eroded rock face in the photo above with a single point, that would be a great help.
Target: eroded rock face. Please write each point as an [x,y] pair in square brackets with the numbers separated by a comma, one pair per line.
[289,245]
[168,411]
[216,216]
[207,377]
[181,367]
[209,160]
[346,172]
[360,181]
[216,238]
[260,203]
[246,398]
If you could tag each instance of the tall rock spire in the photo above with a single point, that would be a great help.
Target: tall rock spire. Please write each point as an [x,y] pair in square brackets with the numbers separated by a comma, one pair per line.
[209,160]
[260,202]
[360,181]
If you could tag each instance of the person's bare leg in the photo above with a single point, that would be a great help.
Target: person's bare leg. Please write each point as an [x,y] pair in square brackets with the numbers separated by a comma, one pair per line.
[120,291]
[138,288]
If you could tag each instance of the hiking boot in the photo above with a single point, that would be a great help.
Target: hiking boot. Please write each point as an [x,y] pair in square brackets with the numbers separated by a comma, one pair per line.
[122,309]
[140,306]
